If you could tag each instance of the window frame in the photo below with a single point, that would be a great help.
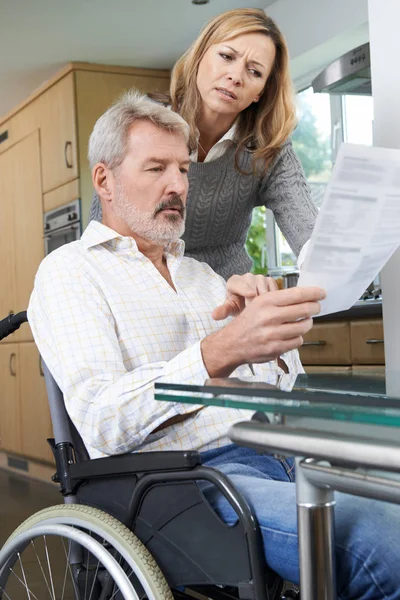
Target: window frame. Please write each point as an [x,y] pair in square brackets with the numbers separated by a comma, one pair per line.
[273,247]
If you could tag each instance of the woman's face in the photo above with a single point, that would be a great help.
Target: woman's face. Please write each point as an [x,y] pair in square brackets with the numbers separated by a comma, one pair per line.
[233,73]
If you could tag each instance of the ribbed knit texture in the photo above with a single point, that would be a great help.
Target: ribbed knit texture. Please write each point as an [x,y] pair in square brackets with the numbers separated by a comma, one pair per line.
[220,204]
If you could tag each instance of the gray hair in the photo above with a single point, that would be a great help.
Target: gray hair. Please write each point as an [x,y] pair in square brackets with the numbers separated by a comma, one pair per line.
[107,142]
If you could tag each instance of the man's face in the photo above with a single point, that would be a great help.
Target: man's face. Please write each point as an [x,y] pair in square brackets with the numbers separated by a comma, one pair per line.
[151,184]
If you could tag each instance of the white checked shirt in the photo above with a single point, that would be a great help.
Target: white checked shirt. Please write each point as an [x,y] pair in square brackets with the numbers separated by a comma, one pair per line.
[108,325]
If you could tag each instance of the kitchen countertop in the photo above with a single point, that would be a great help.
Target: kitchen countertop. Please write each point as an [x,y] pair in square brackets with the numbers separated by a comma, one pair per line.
[362,309]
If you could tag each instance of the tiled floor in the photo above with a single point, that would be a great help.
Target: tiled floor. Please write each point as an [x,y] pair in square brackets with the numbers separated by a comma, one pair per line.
[20,498]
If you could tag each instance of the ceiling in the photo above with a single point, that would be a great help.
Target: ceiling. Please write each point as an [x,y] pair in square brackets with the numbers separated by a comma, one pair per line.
[37,37]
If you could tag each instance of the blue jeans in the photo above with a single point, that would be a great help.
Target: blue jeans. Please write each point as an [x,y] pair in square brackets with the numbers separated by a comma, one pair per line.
[367,531]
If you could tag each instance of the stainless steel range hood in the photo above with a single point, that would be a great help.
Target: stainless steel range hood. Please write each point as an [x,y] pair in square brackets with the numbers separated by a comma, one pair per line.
[349,74]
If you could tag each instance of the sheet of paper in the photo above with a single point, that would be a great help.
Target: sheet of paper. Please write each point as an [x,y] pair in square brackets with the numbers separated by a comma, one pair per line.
[358,227]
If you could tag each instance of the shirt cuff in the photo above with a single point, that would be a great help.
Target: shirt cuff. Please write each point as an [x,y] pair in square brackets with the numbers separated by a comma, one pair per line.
[187,367]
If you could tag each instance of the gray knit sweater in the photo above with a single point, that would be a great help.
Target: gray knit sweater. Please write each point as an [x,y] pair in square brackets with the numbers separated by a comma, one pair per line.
[221,200]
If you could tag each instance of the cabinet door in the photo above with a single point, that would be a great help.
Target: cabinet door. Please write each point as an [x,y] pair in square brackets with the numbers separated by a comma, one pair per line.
[10,415]
[28,220]
[58,133]
[35,414]
[7,257]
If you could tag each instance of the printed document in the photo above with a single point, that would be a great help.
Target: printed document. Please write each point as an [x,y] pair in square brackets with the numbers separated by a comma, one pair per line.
[358,226]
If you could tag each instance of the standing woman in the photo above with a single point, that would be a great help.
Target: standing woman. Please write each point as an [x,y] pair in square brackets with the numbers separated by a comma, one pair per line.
[234,89]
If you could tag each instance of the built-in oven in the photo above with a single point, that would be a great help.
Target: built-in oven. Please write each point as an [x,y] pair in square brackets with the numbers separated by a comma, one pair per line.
[62,225]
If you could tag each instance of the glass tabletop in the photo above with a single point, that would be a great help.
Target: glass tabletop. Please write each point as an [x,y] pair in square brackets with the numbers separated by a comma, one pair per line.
[363,397]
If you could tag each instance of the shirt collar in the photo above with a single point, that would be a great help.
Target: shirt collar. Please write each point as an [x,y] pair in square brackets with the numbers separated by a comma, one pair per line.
[229,135]
[97,234]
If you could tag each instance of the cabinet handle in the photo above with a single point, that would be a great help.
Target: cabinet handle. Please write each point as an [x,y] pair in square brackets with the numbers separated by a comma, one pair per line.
[11,365]
[319,343]
[40,367]
[3,136]
[374,341]
[68,164]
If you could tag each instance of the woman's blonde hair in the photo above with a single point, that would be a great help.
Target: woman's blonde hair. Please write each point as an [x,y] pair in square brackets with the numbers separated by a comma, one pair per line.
[264,125]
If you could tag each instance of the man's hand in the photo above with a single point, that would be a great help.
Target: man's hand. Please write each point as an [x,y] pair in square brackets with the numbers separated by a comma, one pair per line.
[271,325]
[240,291]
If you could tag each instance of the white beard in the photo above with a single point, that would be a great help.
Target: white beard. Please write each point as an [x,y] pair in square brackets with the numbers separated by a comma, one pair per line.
[155,228]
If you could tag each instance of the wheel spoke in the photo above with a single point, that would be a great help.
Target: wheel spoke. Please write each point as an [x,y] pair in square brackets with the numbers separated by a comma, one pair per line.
[87,572]
[41,567]
[69,565]
[66,566]
[29,592]
[3,591]
[94,581]
[49,567]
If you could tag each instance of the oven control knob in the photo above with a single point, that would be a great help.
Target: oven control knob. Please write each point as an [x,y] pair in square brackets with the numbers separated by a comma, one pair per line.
[47,226]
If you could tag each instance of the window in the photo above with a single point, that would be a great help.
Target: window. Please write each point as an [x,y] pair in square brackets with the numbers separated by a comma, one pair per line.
[324,121]
[311,140]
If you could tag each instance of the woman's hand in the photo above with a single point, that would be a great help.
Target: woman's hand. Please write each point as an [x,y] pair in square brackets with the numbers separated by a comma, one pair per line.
[240,292]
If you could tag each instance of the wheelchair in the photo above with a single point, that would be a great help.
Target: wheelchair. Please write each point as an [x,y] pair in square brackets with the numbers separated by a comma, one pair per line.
[132,526]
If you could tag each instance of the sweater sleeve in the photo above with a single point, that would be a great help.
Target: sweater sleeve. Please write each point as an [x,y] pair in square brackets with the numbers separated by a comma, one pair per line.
[284,190]
[95,213]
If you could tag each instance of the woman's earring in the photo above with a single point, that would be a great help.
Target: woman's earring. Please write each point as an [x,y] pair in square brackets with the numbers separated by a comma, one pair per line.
[256,99]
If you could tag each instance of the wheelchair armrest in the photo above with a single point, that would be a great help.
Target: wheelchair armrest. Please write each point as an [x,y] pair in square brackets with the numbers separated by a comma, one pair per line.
[140,462]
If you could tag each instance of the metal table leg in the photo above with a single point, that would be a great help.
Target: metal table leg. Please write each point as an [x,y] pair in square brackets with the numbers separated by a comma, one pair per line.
[316,535]
[315,482]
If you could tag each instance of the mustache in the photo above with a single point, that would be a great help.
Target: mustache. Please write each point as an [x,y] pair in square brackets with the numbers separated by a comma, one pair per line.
[174,202]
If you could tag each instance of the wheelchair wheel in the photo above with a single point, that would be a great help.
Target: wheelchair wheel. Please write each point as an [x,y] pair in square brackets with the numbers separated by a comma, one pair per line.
[16,574]
[91,581]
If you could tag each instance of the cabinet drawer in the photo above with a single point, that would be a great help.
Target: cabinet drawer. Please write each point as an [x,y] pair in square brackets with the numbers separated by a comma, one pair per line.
[62,195]
[327,344]
[367,347]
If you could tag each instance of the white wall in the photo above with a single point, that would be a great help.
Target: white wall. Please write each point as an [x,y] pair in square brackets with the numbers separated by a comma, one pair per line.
[385,50]
[319,31]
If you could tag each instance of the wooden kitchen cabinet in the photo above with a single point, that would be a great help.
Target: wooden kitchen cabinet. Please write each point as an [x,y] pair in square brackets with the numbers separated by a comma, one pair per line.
[35,413]
[327,344]
[354,344]
[367,346]
[64,111]
[21,227]
[25,422]
[7,260]
[56,108]
[10,414]
[28,223]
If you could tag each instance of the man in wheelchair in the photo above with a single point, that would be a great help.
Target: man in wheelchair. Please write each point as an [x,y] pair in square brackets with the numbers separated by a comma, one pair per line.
[122,308]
